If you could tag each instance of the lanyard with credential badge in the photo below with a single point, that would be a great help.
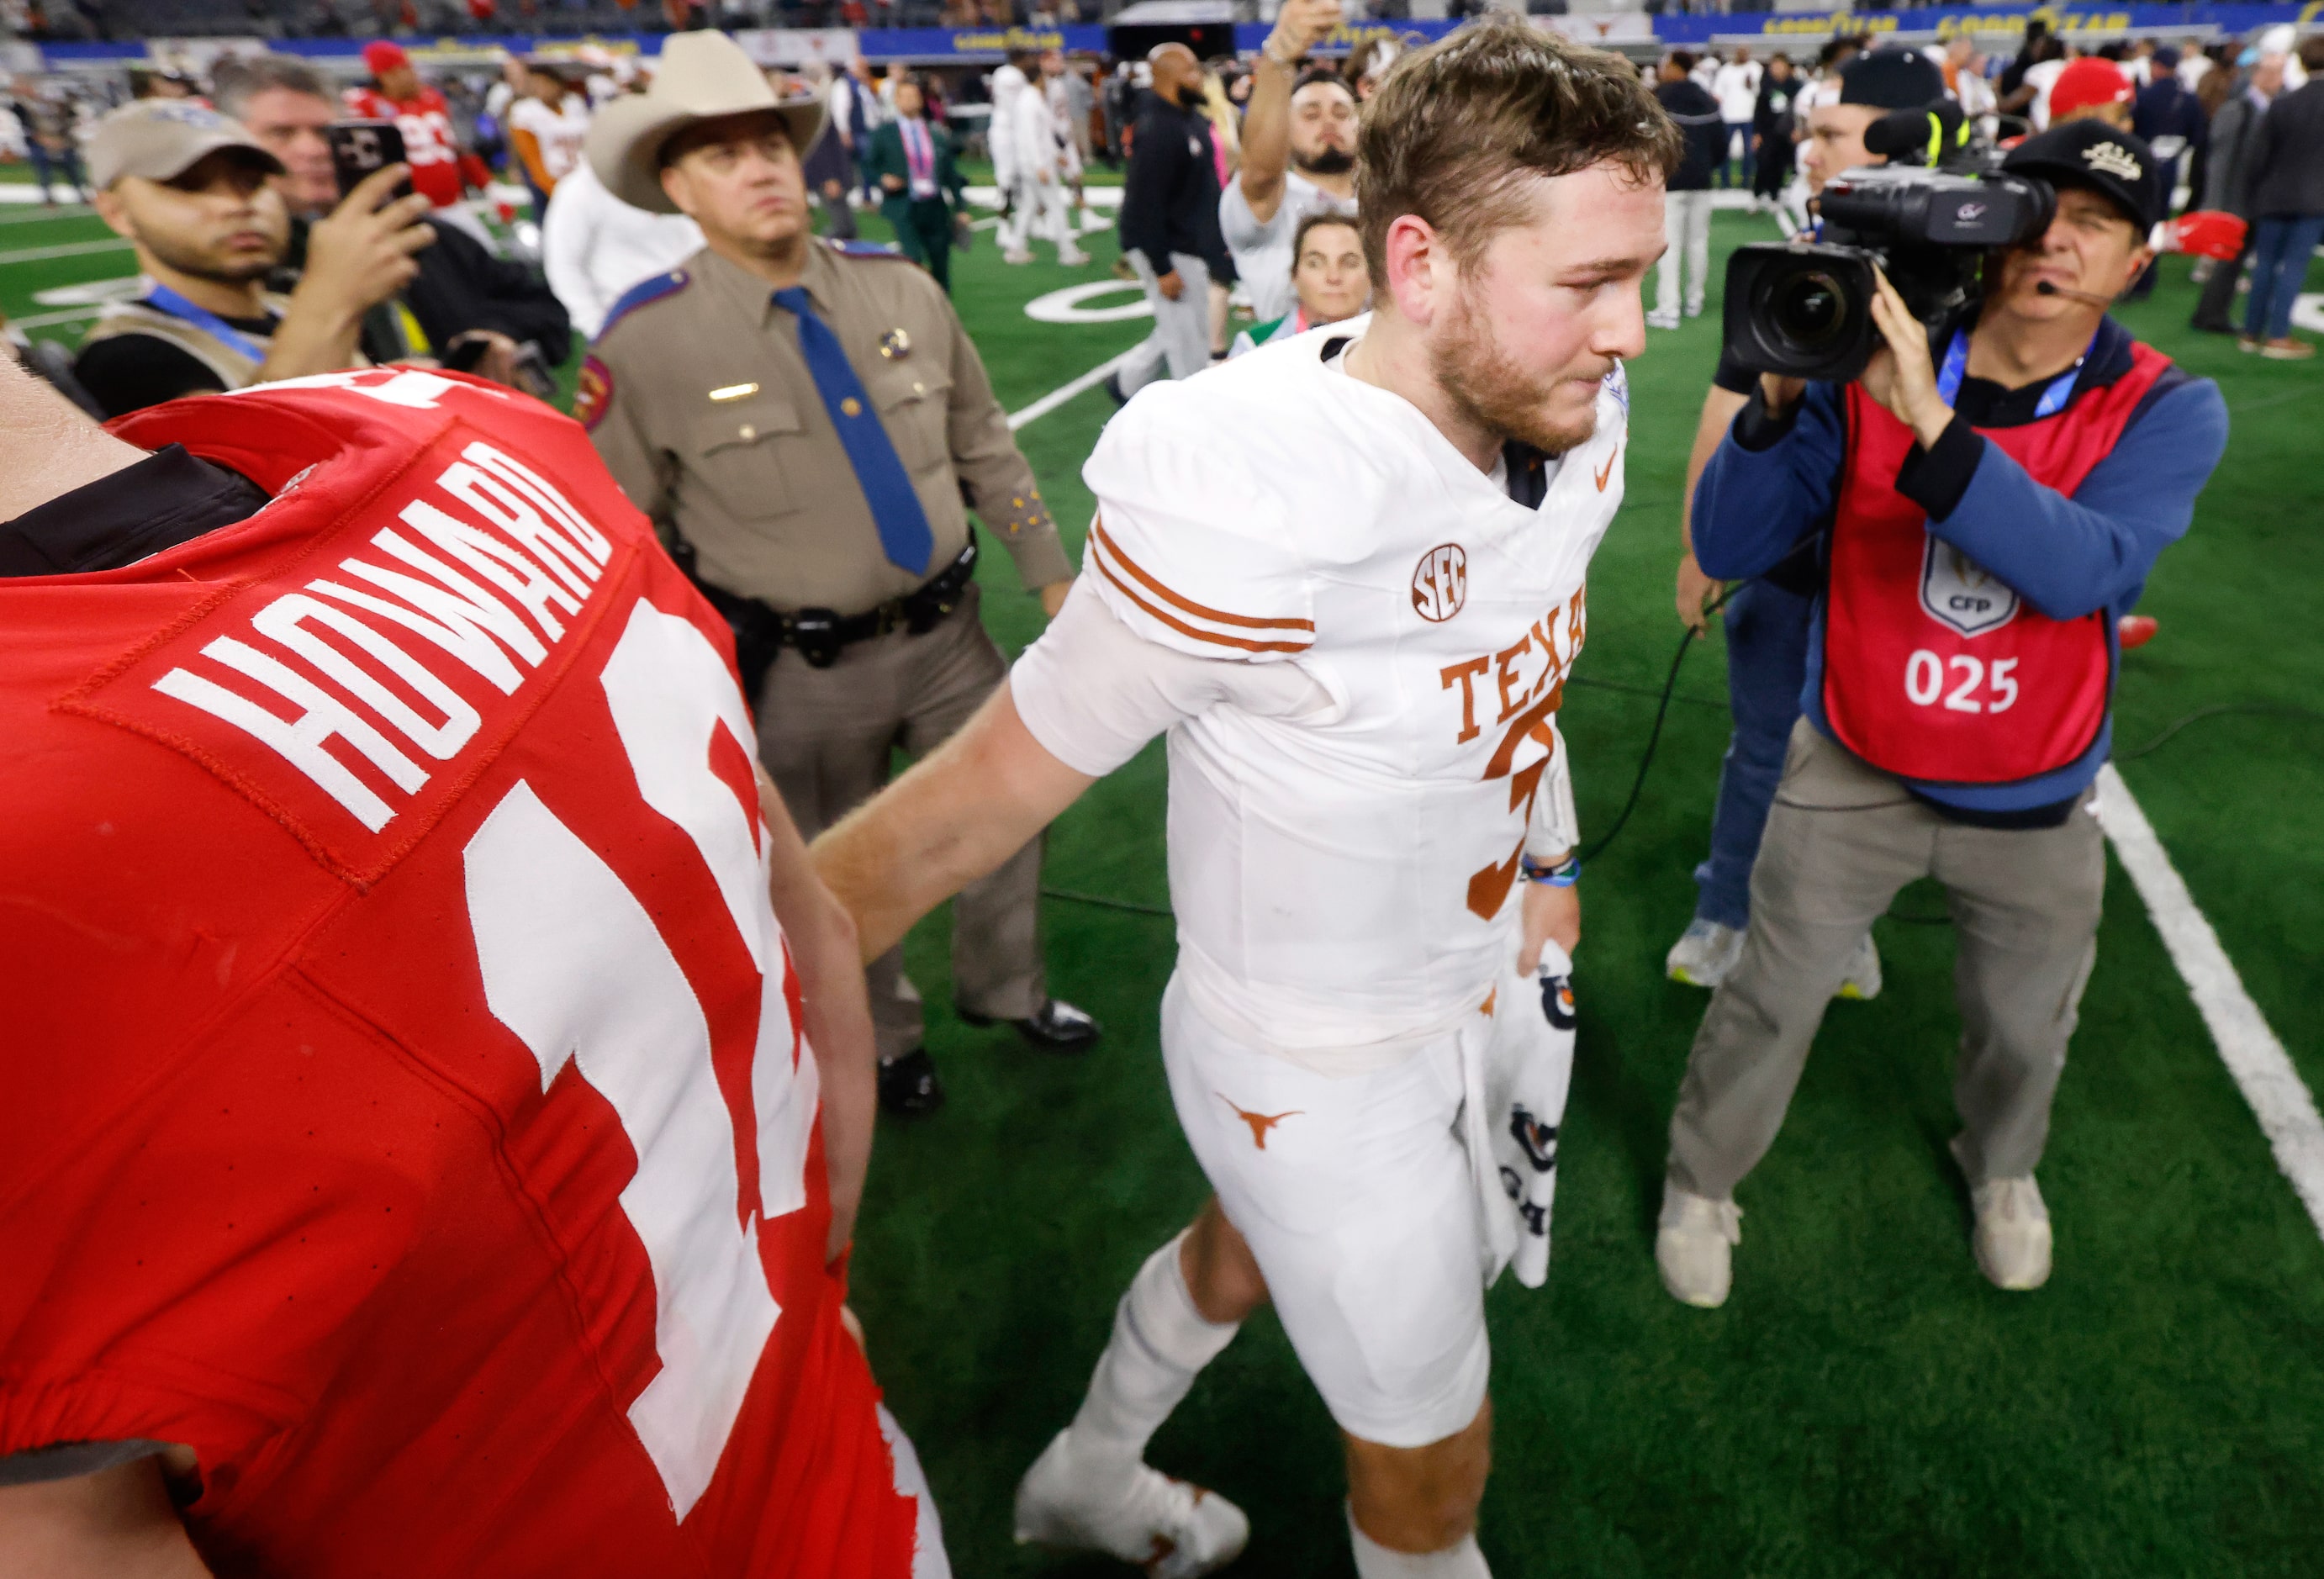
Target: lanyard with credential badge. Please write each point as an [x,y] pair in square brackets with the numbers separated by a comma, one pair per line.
[2053,399]
[165,299]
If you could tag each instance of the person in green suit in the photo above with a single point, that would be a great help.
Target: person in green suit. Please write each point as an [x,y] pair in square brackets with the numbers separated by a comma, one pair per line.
[911,158]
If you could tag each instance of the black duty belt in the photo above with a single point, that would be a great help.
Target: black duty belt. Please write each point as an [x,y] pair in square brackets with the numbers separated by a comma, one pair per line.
[819,634]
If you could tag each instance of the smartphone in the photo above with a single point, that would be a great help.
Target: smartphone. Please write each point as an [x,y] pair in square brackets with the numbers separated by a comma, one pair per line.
[358,148]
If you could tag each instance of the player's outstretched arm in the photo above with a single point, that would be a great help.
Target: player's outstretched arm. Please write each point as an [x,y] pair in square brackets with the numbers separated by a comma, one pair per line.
[116,1524]
[838,1010]
[957,815]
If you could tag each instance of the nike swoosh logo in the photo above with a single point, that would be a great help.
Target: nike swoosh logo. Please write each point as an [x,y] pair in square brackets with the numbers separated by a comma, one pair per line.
[1604,476]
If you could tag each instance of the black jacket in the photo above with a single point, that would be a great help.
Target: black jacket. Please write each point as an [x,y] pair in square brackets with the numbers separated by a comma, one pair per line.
[1774,116]
[1170,197]
[2287,158]
[1689,104]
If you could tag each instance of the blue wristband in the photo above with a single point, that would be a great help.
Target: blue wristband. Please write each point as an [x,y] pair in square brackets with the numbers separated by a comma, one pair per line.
[1564,874]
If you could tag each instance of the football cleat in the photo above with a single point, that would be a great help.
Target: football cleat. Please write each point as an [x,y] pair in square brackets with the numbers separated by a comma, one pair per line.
[1694,1247]
[2013,1229]
[1169,1529]
[1704,953]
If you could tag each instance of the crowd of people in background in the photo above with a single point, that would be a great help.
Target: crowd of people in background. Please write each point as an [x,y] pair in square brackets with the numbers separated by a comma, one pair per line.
[1225,161]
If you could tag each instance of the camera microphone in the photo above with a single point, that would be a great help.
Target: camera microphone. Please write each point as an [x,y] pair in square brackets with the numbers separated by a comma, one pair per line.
[2046,287]
[1917,136]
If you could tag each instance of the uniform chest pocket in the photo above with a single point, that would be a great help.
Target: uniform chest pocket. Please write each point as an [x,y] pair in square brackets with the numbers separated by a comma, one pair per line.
[915,407]
[744,452]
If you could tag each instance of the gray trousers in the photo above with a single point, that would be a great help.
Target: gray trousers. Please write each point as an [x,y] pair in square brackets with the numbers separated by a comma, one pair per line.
[1180,344]
[828,738]
[1842,839]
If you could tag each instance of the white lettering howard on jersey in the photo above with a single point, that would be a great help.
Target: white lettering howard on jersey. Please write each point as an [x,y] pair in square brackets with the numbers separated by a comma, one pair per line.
[485,570]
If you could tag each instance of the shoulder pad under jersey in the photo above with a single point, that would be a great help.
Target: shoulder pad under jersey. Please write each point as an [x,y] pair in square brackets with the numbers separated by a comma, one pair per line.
[651,289]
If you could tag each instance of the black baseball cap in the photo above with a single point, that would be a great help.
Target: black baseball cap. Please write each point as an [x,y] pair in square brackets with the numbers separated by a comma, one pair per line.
[2094,155]
[1892,80]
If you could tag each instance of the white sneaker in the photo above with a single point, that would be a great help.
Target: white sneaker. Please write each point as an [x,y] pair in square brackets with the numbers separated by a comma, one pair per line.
[2013,1229]
[1863,977]
[1017,257]
[1074,259]
[1694,1247]
[1171,1530]
[1656,320]
[1704,954]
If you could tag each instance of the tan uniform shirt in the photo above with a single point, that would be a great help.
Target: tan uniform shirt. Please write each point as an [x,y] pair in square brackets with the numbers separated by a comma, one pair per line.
[702,406]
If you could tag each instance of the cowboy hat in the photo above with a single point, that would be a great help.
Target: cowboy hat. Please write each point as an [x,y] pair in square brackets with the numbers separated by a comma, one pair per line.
[702,75]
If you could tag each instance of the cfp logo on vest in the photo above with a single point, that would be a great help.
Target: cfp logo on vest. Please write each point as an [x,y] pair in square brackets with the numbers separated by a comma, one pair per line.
[1958,592]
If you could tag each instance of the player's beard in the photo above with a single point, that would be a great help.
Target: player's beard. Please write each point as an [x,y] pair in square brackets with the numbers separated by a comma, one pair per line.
[1490,389]
[1327,162]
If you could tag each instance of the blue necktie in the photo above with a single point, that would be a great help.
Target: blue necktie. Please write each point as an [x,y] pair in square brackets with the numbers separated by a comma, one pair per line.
[887,486]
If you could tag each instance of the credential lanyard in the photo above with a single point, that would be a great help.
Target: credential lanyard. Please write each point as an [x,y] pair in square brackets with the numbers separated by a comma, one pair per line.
[2053,399]
[168,300]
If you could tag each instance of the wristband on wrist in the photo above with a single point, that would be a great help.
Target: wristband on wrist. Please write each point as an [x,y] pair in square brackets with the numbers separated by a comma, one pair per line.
[1564,874]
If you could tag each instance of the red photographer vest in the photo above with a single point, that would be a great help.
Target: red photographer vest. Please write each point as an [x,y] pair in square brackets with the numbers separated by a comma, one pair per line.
[1934,669]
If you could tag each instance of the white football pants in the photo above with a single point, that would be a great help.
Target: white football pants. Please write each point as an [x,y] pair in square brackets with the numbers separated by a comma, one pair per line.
[1686,226]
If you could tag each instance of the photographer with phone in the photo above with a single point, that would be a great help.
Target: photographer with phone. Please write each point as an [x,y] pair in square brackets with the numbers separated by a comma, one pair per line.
[465,307]
[192,190]
[1985,499]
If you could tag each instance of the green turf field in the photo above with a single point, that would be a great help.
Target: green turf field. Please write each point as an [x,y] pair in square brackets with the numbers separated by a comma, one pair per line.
[1865,1404]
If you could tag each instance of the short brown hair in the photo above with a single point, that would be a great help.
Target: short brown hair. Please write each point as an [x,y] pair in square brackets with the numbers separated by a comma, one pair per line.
[1316,220]
[1457,129]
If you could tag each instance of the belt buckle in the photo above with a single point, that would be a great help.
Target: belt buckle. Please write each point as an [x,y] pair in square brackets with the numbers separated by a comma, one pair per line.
[815,632]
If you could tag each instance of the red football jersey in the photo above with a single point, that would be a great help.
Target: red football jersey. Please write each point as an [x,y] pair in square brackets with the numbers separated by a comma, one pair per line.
[403,1099]
[425,119]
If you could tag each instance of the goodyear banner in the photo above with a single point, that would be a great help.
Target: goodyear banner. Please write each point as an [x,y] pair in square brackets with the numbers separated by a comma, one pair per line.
[1981,21]
[792,47]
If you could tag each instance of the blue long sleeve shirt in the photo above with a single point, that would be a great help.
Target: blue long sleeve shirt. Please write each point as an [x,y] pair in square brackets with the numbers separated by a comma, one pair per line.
[1774,482]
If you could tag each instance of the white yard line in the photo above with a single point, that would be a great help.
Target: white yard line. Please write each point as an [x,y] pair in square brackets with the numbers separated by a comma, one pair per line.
[41,320]
[69,249]
[2262,1070]
[1059,396]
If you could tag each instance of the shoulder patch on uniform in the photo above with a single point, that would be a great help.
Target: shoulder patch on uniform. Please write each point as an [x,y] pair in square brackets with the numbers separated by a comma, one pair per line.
[593,394]
[651,288]
[865,249]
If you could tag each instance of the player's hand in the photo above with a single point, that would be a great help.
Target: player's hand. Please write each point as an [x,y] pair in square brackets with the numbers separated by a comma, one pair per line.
[1695,592]
[892,183]
[361,253]
[1299,26]
[1053,597]
[1550,914]
[1171,286]
[1901,375]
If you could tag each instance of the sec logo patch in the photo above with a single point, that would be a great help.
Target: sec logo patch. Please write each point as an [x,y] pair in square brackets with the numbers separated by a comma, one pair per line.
[1440,584]
[593,393]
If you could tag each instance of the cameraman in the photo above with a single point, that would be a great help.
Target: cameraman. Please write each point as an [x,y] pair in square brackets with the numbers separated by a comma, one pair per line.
[1985,500]
[1767,621]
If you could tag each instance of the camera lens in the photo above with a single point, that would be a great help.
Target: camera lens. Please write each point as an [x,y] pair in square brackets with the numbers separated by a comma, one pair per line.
[1808,309]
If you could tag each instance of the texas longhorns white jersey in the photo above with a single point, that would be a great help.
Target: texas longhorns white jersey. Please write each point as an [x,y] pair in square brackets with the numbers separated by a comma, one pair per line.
[1344,877]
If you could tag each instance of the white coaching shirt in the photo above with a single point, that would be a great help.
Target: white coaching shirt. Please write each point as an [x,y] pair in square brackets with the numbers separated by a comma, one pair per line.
[1346,812]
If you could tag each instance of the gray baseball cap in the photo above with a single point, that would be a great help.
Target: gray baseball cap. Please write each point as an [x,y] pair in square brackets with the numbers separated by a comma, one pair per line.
[161,139]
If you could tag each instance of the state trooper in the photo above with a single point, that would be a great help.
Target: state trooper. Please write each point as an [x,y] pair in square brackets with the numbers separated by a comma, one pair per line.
[803,421]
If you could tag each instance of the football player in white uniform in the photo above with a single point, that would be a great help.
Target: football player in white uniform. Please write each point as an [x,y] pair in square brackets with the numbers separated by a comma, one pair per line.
[1359,664]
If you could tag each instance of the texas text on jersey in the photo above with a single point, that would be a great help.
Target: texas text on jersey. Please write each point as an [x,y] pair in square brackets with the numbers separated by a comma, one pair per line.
[406,1106]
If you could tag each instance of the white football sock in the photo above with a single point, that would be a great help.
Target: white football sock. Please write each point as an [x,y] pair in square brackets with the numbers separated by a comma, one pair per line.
[1160,1341]
[1375,1561]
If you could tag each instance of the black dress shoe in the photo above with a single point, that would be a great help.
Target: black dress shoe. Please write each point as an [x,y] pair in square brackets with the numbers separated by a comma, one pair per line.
[908,1087]
[1055,1026]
